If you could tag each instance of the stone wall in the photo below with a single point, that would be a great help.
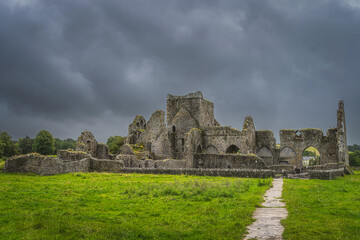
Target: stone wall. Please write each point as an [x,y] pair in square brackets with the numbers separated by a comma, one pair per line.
[88,144]
[243,173]
[326,174]
[43,165]
[343,154]
[219,139]
[228,161]
[297,141]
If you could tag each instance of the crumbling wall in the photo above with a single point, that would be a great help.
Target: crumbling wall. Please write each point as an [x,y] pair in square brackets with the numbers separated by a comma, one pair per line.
[88,144]
[136,130]
[249,136]
[343,154]
[157,140]
[44,165]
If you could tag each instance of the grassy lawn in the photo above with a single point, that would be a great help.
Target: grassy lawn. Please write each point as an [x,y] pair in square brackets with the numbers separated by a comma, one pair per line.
[320,209]
[126,206]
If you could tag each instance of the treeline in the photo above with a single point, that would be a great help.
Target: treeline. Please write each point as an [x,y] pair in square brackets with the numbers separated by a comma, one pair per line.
[44,143]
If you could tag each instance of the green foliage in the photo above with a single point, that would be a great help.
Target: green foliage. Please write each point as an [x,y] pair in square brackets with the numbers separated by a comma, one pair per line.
[309,154]
[7,145]
[114,143]
[354,148]
[25,145]
[354,158]
[314,161]
[44,143]
[320,209]
[126,206]
[2,164]
[64,144]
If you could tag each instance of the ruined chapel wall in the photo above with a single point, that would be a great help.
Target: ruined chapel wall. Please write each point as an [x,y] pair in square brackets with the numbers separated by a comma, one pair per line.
[156,135]
[221,138]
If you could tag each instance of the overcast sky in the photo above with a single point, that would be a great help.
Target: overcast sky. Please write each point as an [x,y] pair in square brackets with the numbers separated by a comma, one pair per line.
[71,65]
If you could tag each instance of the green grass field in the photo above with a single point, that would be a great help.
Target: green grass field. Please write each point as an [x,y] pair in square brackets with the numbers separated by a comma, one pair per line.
[126,206]
[321,209]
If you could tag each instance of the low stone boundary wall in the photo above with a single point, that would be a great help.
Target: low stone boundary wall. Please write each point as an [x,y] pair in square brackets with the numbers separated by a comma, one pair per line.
[228,161]
[326,174]
[104,165]
[43,165]
[243,173]
[327,166]
[280,168]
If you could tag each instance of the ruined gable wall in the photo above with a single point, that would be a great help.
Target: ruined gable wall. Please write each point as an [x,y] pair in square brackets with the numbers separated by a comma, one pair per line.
[156,136]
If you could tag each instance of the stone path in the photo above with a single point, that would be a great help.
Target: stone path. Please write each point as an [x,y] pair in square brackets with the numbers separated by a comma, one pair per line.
[267,225]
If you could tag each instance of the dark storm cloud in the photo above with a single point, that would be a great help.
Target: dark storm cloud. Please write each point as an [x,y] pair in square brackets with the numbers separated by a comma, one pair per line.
[70,65]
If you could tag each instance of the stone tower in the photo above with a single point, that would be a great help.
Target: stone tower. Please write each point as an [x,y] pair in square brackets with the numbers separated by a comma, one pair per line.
[183,114]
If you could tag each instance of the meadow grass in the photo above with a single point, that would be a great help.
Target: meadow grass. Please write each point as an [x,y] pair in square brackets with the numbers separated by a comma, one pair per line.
[322,209]
[126,206]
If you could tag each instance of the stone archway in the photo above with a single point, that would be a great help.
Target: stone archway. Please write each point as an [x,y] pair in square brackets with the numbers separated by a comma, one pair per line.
[232,149]
[266,154]
[287,156]
[211,150]
[311,156]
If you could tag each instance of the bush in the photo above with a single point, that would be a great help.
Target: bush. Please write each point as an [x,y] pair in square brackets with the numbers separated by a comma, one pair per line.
[114,143]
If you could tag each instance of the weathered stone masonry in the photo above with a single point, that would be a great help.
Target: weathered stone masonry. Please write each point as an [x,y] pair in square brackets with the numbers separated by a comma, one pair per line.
[188,136]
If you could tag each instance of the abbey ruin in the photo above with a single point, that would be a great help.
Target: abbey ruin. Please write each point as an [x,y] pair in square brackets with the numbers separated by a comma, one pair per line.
[187,139]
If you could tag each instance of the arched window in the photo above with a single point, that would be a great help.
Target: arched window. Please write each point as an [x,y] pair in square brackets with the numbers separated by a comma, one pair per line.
[232,149]
[173,128]
[212,150]
[287,156]
[310,156]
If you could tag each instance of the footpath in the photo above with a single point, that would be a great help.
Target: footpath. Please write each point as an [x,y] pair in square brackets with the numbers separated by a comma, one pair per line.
[267,225]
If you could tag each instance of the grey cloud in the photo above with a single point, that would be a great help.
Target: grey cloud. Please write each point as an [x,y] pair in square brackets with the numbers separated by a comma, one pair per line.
[85,64]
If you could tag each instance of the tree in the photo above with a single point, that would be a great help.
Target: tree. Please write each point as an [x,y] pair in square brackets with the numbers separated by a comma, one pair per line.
[354,158]
[44,143]
[114,143]
[25,145]
[8,147]
[64,144]
[354,148]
